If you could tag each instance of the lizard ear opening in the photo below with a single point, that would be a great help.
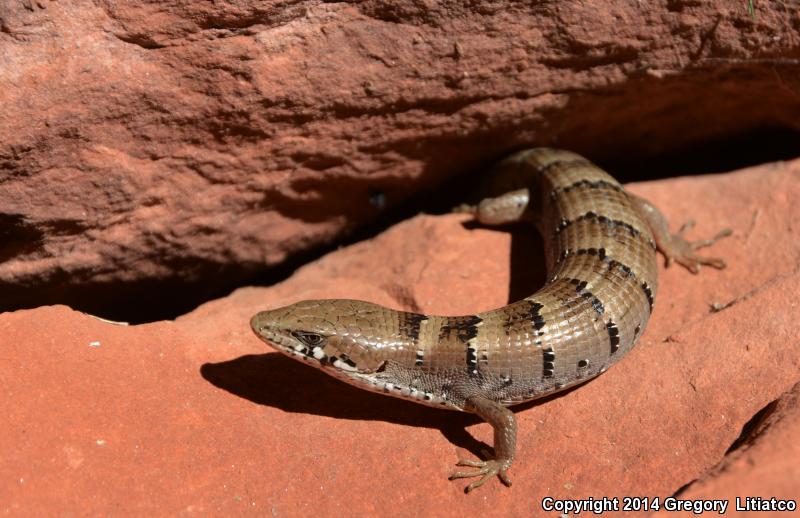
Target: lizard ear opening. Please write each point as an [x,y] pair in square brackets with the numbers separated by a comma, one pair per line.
[308,338]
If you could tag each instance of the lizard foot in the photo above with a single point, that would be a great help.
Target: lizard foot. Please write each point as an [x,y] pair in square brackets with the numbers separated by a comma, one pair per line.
[486,470]
[683,251]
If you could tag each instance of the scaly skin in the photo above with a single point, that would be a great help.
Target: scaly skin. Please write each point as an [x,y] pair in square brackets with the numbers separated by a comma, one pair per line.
[600,242]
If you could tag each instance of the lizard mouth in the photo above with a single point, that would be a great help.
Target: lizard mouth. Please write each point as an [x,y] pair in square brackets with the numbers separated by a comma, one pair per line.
[278,339]
[284,342]
[287,342]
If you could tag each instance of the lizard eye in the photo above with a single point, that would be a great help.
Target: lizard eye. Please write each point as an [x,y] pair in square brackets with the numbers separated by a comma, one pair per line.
[310,339]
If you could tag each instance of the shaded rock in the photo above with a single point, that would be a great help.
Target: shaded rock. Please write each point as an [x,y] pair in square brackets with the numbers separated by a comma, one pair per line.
[198,416]
[198,143]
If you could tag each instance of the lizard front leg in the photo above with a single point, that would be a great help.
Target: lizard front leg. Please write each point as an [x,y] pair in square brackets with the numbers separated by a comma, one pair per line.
[505,443]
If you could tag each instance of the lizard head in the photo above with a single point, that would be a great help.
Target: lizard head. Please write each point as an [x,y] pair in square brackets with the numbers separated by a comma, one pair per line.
[337,334]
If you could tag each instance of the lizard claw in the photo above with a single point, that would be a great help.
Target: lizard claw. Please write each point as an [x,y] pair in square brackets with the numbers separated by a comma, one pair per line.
[685,227]
[470,463]
[697,245]
[486,470]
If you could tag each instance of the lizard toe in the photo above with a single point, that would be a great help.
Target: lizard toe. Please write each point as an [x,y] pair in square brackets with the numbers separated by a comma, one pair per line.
[486,470]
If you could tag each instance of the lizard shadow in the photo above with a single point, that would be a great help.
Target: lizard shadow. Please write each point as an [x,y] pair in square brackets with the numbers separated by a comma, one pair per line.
[272,379]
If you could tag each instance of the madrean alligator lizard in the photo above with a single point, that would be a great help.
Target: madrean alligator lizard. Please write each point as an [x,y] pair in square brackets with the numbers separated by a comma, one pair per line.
[600,243]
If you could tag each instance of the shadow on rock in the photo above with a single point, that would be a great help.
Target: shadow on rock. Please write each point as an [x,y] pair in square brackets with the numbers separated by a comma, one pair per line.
[274,380]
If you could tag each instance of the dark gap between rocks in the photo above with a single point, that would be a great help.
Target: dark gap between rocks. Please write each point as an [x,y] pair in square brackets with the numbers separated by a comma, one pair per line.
[678,492]
[752,428]
[714,156]
[165,299]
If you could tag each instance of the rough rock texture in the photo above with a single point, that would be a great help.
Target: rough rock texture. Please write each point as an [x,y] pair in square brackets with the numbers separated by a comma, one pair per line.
[196,416]
[764,465]
[199,142]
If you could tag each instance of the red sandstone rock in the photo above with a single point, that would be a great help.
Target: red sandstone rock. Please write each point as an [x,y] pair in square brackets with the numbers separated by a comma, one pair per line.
[196,416]
[200,142]
[765,466]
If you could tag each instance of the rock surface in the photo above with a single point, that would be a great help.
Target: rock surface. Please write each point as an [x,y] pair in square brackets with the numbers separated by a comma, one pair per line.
[764,465]
[196,416]
[196,143]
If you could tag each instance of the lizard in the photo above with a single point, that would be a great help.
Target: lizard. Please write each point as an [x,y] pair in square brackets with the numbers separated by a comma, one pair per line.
[600,246]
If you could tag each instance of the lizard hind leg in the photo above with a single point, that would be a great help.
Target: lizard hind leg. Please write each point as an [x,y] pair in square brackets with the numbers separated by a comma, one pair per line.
[676,247]
[682,251]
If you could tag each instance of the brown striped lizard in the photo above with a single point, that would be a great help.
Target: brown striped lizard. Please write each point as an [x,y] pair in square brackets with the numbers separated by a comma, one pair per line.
[600,243]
